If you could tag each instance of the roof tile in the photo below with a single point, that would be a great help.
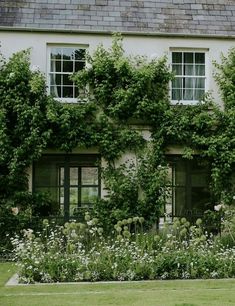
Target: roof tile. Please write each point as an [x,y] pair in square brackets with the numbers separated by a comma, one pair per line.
[163,16]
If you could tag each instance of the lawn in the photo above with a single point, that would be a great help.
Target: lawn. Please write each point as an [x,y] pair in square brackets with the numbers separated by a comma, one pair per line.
[172,293]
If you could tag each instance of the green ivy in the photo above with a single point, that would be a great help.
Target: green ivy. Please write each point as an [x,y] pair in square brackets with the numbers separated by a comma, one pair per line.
[123,92]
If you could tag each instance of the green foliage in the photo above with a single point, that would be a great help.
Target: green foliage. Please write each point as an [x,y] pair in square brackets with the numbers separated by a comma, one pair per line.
[23,128]
[80,252]
[225,77]
[126,87]
[123,91]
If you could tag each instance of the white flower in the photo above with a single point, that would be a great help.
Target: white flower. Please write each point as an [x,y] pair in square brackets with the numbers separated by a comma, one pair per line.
[15,210]
[218,207]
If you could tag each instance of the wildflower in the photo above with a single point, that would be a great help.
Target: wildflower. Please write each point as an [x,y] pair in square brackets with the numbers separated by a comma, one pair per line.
[183,232]
[11,75]
[199,222]
[90,223]
[129,220]
[95,221]
[127,234]
[218,207]
[45,222]
[118,229]
[15,210]
[157,238]
[183,220]
[87,216]
[141,219]
[100,230]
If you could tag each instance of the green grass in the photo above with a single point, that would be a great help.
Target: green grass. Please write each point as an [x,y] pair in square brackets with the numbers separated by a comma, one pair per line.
[153,293]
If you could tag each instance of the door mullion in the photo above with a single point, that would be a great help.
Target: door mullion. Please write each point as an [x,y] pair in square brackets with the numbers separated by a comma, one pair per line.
[66,189]
[79,187]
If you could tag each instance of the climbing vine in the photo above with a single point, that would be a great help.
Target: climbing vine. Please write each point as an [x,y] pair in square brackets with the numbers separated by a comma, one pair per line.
[118,94]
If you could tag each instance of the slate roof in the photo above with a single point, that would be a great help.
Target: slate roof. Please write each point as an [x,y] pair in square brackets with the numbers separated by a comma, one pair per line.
[182,17]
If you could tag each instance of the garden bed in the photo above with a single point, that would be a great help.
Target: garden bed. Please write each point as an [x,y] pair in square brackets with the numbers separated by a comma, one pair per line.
[80,252]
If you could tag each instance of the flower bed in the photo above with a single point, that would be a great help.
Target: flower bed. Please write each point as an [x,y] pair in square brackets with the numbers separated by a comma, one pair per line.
[80,252]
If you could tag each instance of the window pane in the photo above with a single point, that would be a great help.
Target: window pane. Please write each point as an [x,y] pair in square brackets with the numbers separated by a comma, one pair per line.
[55,91]
[199,83]
[45,174]
[73,176]
[55,79]
[176,57]
[89,176]
[73,196]
[61,201]
[67,92]
[199,58]
[61,195]
[180,175]
[177,83]
[188,69]
[198,94]
[89,194]
[188,94]
[176,94]
[67,53]
[200,70]
[201,200]
[180,202]
[56,53]
[177,69]
[79,54]
[73,200]
[61,176]
[55,66]
[79,66]
[188,57]
[67,66]
[66,80]
[188,82]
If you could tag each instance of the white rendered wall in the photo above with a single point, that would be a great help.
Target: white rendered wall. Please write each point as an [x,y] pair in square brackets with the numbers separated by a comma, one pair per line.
[150,46]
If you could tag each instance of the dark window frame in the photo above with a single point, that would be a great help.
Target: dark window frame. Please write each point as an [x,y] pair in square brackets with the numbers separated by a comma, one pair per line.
[68,161]
[190,209]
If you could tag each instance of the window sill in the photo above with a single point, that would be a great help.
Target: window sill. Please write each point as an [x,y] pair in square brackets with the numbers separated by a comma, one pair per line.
[185,102]
[70,100]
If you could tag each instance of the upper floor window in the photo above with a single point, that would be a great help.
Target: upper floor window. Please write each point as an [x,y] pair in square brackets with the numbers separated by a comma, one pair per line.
[189,84]
[63,62]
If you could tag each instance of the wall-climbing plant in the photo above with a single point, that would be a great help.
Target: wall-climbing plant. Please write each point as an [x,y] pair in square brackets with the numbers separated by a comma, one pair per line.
[123,91]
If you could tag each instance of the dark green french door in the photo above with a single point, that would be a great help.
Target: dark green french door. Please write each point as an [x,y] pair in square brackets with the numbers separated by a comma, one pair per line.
[188,190]
[71,181]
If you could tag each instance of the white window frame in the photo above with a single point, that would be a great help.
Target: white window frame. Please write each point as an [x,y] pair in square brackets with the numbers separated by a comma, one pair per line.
[61,45]
[190,50]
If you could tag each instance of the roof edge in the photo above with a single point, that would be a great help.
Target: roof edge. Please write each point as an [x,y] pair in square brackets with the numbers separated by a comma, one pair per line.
[124,33]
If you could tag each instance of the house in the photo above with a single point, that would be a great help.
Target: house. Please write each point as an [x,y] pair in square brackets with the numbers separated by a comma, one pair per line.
[192,34]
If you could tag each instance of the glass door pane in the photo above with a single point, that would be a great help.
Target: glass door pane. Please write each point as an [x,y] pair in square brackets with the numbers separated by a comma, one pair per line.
[73,176]
[73,200]
[89,195]
[61,190]
[73,190]
[89,175]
